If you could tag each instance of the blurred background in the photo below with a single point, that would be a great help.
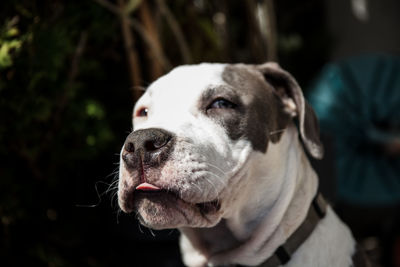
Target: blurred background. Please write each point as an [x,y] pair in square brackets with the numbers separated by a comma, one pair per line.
[70,72]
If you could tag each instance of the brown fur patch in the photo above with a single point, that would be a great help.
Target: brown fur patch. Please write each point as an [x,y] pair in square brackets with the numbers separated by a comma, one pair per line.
[263,119]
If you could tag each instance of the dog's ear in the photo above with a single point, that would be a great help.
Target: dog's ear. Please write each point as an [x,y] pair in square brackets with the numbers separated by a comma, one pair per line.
[295,105]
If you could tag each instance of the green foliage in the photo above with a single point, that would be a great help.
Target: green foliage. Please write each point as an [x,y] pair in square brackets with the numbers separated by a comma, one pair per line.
[10,42]
[5,52]
[57,114]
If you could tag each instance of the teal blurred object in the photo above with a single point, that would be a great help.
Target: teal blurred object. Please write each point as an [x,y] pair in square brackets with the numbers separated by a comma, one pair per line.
[358,104]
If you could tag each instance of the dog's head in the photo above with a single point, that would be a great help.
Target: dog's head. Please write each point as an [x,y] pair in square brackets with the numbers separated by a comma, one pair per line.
[195,130]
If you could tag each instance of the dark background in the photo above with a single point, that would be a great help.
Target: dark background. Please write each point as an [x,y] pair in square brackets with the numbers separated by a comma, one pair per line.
[70,72]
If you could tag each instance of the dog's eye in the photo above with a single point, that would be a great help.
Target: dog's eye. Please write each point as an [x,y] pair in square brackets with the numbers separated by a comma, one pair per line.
[142,112]
[221,103]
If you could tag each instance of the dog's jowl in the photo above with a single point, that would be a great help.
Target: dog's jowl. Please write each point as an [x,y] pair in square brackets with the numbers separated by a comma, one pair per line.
[216,153]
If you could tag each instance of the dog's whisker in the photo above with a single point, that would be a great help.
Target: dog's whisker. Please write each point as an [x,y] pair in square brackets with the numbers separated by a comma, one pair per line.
[216,167]
[140,228]
[114,200]
[152,233]
[219,179]
[114,173]
[118,214]
[171,232]
[99,197]
[113,197]
[197,187]
[112,186]
[276,132]
[212,185]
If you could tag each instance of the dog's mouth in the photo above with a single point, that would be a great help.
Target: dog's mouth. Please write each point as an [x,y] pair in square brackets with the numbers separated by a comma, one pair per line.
[204,207]
[150,191]
[160,208]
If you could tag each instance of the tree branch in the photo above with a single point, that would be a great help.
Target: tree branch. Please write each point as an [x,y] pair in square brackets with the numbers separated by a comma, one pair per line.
[176,30]
[271,31]
[77,57]
[133,62]
[147,20]
[141,31]
[64,98]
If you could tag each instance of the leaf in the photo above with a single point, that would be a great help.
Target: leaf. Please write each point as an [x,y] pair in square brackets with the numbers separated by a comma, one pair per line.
[6,50]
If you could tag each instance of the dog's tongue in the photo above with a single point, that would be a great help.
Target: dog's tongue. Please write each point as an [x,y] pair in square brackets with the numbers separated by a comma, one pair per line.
[147,187]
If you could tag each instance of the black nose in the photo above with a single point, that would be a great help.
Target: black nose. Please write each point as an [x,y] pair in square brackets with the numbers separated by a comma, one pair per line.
[149,146]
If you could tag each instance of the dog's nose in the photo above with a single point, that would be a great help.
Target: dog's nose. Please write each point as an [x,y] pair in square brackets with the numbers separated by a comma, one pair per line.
[151,146]
[147,140]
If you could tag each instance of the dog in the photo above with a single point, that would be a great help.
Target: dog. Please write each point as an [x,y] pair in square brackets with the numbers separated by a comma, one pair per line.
[217,152]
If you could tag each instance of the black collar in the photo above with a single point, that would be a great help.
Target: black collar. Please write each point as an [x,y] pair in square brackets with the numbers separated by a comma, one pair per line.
[283,253]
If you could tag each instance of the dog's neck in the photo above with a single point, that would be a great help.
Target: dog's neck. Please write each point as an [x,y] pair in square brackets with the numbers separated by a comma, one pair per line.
[256,226]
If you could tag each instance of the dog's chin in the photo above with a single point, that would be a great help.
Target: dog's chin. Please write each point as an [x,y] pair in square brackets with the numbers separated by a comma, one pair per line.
[164,210]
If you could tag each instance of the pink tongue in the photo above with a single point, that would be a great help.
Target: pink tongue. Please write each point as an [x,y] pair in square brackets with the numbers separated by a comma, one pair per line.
[147,187]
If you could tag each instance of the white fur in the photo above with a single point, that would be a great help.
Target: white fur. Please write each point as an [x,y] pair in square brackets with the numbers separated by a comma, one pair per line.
[284,185]
[171,100]
[264,196]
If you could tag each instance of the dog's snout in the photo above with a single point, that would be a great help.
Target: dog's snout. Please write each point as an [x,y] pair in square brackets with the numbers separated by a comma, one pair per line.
[148,145]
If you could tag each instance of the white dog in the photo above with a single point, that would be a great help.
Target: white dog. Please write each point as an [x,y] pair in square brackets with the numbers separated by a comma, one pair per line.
[216,154]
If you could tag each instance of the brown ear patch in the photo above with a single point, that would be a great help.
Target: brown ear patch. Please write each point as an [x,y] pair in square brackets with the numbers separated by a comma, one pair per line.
[262,118]
[308,123]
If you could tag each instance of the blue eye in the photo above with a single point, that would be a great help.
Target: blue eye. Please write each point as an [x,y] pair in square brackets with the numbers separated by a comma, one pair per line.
[221,103]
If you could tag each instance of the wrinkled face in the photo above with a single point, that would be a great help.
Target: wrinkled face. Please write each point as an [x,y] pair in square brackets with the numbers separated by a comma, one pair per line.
[194,132]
